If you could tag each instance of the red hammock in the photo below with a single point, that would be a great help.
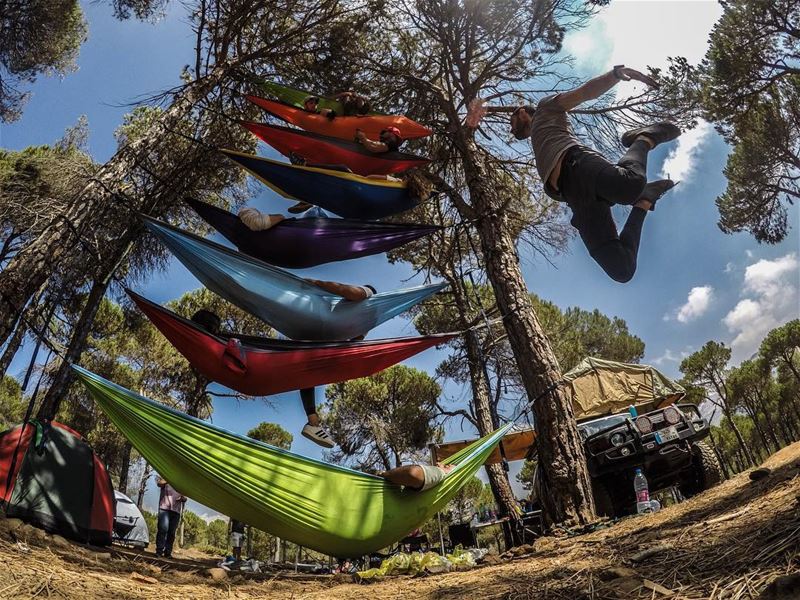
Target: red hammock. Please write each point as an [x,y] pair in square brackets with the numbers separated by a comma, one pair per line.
[263,366]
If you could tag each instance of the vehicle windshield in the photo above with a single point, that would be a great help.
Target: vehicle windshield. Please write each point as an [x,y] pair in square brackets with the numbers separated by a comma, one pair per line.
[591,427]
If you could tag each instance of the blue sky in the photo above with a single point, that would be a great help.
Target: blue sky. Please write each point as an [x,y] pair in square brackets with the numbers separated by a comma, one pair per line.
[693,284]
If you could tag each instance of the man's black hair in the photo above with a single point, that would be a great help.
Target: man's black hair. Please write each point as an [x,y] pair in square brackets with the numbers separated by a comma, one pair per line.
[207,320]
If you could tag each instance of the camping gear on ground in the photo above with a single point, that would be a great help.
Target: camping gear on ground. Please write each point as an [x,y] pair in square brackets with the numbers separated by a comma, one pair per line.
[324,149]
[414,563]
[308,242]
[346,194]
[296,97]
[602,387]
[263,366]
[298,309]
[130,528]
[51,478]
[342,127]
[325,507]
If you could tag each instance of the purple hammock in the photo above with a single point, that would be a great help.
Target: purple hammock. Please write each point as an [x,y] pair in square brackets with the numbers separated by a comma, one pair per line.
[302,243]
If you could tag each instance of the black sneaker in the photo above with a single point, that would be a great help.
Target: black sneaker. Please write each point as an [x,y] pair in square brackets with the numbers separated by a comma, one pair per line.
[655,189]
[658,132]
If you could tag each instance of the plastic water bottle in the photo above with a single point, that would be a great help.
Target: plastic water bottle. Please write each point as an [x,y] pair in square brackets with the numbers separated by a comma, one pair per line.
[642,493]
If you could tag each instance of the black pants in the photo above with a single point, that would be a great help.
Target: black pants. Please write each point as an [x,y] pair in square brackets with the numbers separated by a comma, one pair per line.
[167,526]
[307,395]
[590,184]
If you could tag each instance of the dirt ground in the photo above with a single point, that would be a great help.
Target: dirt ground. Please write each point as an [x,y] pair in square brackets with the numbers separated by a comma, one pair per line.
[740,540]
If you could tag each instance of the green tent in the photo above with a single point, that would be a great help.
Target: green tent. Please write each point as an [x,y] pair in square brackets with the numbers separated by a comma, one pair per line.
[602,387]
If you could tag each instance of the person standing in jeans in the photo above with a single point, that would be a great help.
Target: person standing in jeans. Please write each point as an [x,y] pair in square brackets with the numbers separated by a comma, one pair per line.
[170,508]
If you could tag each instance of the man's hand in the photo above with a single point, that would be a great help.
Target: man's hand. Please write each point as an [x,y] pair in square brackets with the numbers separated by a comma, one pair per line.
[360,136]
[626,74]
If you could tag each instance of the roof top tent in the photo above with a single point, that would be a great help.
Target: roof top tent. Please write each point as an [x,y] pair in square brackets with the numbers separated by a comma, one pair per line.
[598,388]
[51,478]
[603,387]
[130,528]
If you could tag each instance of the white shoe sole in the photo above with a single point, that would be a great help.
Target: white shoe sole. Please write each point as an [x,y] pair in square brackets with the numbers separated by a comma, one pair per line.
[317,441]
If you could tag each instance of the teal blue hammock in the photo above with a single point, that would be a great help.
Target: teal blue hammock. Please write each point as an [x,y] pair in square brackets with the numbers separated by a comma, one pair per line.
[294,307]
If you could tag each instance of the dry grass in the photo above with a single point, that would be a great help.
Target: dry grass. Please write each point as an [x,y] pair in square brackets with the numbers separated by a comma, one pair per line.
[726,544]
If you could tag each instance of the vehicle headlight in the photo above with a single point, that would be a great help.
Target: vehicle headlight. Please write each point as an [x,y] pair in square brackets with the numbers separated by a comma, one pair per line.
[625,451]
[617,439]
[644,425]
[672,415]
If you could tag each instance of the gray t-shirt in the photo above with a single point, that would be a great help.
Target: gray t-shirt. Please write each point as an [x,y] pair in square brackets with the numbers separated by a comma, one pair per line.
[551,135]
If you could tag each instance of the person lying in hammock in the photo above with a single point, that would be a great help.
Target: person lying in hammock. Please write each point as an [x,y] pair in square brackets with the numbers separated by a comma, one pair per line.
[417,477]
[311,104]
[389,140]
[585,180]
[354,293]
[352,103]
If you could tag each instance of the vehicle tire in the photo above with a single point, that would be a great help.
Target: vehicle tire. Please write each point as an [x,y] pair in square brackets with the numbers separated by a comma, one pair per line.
[603,502]
[706,464]
[705,471]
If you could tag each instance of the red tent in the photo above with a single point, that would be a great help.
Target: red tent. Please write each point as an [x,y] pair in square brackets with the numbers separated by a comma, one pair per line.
[50,477]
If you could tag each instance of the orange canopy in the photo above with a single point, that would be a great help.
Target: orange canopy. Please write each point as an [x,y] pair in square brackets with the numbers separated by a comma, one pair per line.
[517,445]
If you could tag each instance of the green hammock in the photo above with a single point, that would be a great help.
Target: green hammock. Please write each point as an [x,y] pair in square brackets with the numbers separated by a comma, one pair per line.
[324,507]
[296,97]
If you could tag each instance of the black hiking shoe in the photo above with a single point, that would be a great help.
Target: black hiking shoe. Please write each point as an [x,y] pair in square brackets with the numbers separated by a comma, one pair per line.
[655,189]
[658,132]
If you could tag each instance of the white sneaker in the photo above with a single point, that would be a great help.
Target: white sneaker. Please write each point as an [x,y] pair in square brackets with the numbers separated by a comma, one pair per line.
[318,435]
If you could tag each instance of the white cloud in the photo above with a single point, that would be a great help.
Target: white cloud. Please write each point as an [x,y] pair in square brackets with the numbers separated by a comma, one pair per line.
[668,356]
[730,267]
[749,253]
[641,34]
[771,293]
[697,303]
[681,161]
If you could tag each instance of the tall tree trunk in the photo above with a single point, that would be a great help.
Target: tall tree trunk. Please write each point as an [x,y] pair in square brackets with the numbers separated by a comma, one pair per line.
[148,470]
[63,377]
[765,410]
[12,347]
[720,458]
[22,328]
[124,468]
[788,358]
[559,444]
[59,242]
[497,475]
[749,459]
[753,414]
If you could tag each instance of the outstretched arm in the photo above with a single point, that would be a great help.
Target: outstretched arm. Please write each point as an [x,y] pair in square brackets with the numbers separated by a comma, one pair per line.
[594,88]
[354,293]
[371,145]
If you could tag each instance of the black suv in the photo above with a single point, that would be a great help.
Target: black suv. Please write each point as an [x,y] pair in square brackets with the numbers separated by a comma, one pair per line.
[664,443]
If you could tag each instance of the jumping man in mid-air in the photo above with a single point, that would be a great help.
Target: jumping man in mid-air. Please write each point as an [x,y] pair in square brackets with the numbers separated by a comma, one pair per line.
[589,183]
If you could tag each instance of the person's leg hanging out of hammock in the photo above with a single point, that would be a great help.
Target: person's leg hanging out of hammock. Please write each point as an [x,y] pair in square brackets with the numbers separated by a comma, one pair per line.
[313,430]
